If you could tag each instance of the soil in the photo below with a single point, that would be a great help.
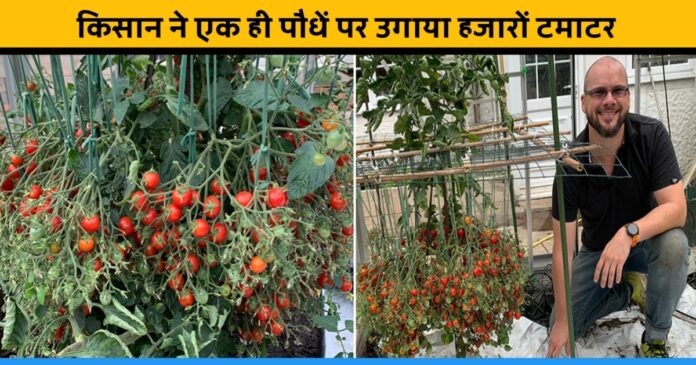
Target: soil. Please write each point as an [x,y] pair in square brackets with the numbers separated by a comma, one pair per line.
[311,342]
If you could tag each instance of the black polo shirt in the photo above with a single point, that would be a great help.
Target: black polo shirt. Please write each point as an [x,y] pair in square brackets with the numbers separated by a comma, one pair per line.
[608,203]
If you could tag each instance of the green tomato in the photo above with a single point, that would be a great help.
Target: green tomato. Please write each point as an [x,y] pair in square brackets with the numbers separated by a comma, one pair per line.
[36,233]
[342,146]
[105,297]
[334,139]
[324,232]
[319,159]
[54,273]
[324,76]
[276,61]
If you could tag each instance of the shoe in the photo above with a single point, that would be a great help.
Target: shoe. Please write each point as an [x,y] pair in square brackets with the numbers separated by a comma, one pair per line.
[656,349]
[637,281]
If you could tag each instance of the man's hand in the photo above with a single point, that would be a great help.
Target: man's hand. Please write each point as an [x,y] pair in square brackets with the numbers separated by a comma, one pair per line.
[558,339]
[610,265]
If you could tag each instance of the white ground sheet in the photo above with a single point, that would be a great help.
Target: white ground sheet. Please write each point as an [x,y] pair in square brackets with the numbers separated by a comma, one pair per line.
[616,335]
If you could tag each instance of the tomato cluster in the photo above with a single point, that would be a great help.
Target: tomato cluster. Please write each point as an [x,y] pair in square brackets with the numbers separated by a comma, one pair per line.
[468,284]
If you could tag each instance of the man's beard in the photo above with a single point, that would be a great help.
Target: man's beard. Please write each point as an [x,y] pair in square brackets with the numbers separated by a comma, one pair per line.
[604,132]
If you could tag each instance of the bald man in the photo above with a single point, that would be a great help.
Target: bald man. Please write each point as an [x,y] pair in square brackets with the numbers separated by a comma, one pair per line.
[629,224]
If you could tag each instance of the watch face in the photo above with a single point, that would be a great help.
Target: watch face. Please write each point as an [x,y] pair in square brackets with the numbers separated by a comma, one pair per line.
[632,229]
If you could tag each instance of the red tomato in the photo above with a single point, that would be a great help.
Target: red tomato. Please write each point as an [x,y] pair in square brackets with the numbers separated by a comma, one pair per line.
[90,224]
[177,282]
[126,225]
[263,173]
[264,313]
[139,200]
[31,146]
[13,171]
[212,206]
[174,213]
[277,198]
[181,196]
[257,334]
[346,285]
[16,160]
[32,167]
[194,198]
[186,299]
[244,198]
[282,301]
[347,231]
[193,262]
[336,202]
[150,217]
[97,265]
[158,241]
[343,160]
[56,223]
[200,228]
[290,137]
[324,280]
[7,185]
[35,192]
[151,180]
[217,188]
[277,328]
[85,244]
[219,233]
[257,265]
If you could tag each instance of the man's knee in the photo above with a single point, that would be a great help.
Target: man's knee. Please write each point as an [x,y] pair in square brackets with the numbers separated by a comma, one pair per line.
[671,248]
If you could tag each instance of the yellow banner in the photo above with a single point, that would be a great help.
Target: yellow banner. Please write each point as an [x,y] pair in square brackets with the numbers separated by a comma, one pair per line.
[346,24]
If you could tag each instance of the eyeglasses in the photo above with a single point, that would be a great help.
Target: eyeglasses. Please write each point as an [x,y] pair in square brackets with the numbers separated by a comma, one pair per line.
[601,92]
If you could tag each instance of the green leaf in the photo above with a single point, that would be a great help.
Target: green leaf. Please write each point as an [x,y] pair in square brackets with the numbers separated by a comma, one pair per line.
[189,344]
[397,144]
[173,160]
[119,316]
[224,95]
[119,85]
[300,103]
[402,124]
[145,119]
[201,295]
[307,105]
[252,97]
[120,110]
[190,115]
[350,326]
[447,338]
[305,176]
[137,98]
[41,295]
[16,328]
[82,90]
[329,323]
[101,344]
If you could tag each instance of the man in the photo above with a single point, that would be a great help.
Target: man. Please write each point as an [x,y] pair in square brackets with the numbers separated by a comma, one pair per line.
[629,224]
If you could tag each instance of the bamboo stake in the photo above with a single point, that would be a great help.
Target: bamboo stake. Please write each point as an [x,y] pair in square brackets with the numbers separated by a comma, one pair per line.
[565,159]
[484,132]
[479,127]
[468,168]
[456,147]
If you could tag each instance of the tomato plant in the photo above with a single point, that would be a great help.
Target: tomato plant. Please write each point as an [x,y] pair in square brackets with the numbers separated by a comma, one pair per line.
[441,258]
[167,201]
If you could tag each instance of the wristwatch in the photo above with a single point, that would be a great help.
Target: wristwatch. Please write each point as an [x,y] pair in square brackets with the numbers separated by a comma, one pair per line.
[632,230]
